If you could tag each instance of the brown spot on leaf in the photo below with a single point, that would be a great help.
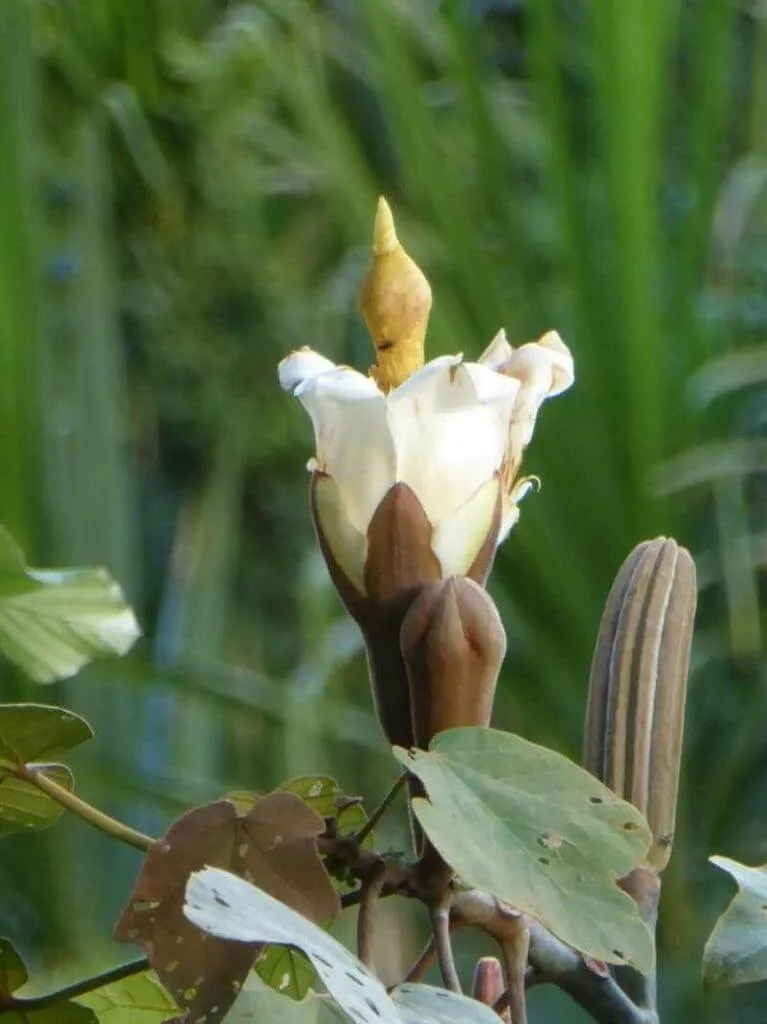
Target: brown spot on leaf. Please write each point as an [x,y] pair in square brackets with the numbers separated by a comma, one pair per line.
[202,972]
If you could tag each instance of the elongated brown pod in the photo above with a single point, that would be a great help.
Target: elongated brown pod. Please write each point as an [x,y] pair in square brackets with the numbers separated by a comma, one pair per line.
[638,685]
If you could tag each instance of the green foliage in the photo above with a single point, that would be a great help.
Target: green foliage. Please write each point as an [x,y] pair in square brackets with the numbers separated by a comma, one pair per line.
[23,806]
[137,1000]
[527,825]
[736,952]
[37,732]
[54,622]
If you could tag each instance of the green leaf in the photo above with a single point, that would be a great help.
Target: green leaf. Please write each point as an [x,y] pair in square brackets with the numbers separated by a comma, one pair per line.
[736,952]
[24,806]
[52,622]
[286,970]
[13,970]
[137,1000]
[323,795]
[424,1004]
[231,908]
[534,829]
[38,732]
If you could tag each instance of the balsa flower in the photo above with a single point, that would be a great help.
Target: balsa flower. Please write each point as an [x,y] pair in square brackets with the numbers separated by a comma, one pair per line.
[416,473]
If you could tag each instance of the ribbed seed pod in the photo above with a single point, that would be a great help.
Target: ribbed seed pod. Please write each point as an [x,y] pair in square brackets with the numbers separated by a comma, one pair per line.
[638,685]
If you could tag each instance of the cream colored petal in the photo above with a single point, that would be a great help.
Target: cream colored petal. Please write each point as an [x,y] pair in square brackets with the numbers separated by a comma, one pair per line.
[458,539]
[346,543]
[509,519]
[497,353]
[544,368]
[450,425]
[510,507]
[354,444]
[300,366]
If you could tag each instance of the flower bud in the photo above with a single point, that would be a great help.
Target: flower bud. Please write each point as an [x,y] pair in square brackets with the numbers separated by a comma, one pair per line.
[453,644]
[395,300]
[635,715]
[489,984]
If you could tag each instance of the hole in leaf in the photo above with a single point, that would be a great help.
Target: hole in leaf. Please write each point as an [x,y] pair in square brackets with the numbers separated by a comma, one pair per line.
[629,826]
[543,860]
[619,953]
[596,800]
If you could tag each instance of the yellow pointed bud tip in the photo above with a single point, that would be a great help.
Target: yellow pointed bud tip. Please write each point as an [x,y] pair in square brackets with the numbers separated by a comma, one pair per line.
[384,233]
[395,300]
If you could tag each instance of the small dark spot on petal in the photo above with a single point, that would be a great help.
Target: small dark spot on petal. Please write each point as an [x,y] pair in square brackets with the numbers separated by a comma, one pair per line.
[385,346]
[353,977]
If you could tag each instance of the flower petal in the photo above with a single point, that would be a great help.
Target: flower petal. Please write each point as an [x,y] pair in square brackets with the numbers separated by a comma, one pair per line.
[354,444]
[458,539]
[449,423]
[347,545]
[497,353]
[300,366]
[544,368]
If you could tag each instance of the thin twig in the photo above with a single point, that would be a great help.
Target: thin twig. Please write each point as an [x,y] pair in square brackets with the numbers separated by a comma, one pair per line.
[370,894]
[440,920]
[515,949]
[78,988]
[84,810]
[379,812]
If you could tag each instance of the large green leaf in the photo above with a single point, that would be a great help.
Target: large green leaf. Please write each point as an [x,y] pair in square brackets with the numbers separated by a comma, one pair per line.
[38,732]
[537,831]
[231,908]
[52,622]
[137,1000]
[736,952]
[24,806]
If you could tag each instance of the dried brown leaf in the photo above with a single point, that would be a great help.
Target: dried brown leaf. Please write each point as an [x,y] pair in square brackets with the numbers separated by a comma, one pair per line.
[272,845]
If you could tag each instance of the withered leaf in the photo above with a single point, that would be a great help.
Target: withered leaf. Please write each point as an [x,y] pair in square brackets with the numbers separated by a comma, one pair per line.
[272,845]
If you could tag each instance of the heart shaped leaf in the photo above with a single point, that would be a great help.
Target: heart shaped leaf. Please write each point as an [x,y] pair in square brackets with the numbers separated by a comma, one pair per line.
[52,622]
[274,843]
[537,831]
[736,952]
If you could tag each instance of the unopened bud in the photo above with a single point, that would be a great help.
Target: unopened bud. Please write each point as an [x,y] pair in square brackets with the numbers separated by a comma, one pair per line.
[453,644]
[395,300]
[489,985]
[635,716]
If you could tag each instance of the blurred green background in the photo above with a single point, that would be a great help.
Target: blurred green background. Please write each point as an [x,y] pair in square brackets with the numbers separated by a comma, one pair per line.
[186,194]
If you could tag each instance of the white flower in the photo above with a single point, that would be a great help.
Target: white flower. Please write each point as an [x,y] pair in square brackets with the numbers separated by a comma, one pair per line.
[454,433]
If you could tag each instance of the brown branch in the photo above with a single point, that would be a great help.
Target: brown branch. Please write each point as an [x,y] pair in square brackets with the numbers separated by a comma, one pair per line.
[440,922]
[370,894]
[515,949]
